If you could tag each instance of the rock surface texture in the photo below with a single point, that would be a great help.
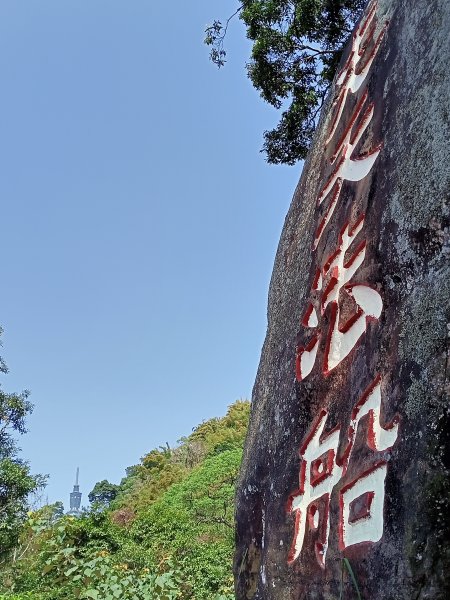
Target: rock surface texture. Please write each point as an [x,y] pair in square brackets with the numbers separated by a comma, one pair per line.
[348,449]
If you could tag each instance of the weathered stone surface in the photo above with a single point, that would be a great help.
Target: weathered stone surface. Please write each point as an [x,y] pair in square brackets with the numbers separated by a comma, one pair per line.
[406,202]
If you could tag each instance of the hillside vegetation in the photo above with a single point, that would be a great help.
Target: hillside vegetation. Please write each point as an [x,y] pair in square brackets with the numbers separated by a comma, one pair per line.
[166,532]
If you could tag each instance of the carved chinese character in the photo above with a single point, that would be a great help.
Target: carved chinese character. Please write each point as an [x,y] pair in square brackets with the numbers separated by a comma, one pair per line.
[361,501]
[346,167]
[335,276]
[357,67]
[319,473]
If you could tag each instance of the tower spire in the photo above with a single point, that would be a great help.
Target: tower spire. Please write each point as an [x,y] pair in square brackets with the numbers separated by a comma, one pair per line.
[75,497]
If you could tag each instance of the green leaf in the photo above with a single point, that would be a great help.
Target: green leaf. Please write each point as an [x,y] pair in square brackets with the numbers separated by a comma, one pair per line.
[91,594]
[47,569]
[352,575]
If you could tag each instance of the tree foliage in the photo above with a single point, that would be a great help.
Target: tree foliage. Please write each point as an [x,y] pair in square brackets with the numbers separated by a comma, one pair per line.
[192,524]
[16,481]
[164,466]
[297,45]
[74,558]
[167,534]
[104,492]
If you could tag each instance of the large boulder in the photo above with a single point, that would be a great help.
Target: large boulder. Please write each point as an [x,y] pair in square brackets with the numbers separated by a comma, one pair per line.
[346,464]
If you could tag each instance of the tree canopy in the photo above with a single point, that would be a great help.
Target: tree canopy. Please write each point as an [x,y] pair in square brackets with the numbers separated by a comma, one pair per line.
[16,481]
[297,45]
[104,492]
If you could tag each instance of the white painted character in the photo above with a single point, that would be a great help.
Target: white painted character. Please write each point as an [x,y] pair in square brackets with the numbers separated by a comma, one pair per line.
[346,166]
[361,501]
[335,276]
[355,71]
[319,473]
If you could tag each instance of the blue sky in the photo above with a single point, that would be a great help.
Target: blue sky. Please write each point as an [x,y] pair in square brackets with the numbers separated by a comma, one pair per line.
[139,225]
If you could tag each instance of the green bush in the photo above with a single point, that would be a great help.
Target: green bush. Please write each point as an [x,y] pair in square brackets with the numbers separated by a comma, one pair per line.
[193,524]
[168,535]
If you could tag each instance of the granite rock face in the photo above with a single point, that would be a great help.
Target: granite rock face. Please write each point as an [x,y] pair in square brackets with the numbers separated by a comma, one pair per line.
[348,451]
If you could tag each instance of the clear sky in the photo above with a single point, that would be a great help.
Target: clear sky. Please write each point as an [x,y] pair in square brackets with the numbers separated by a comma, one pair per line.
[139,225]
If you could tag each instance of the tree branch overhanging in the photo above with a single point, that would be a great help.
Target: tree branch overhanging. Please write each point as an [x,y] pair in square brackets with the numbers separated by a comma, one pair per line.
[296,51]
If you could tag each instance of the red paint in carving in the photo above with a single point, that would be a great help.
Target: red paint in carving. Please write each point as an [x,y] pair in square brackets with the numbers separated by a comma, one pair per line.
[312,432]
[362,63]
[339,105]
[346,166]
[359,313]
[321,196]
[364,397]
[317,280]
[333,317]
[322,467]
[301,488]
[359,221]
[365,120]
[323,520]
[342,460]
[351,232]
[291,555]
[367,20]
[360,507]
[341,500]
[312,509]
[340,146]
[298,358]
[322,541]
[334,280]
[337,191]
[337,275]
[306,316]
[371,427]
[334,313]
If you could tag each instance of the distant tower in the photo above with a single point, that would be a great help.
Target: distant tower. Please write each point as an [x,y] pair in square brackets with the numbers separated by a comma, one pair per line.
[75,498]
